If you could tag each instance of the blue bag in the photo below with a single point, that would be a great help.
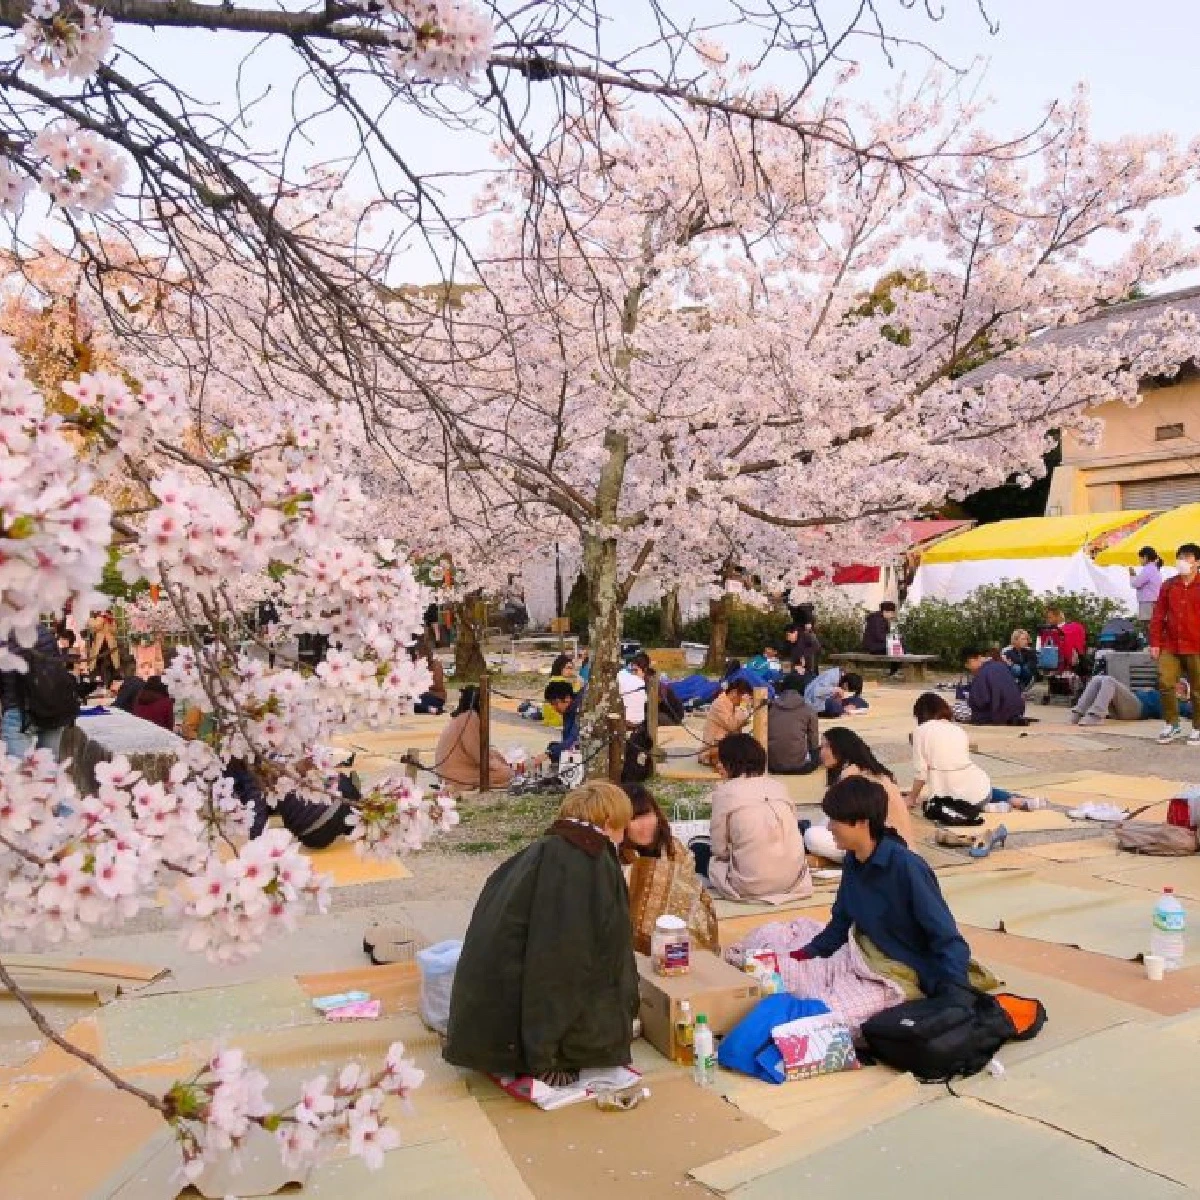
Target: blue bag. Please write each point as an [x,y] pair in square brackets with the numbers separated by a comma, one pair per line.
[748,1047]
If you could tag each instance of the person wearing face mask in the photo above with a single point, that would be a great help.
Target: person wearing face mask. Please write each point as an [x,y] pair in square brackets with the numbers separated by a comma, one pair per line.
[1175,641]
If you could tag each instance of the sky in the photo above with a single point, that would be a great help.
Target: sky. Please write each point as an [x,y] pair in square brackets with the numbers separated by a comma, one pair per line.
[1139,60]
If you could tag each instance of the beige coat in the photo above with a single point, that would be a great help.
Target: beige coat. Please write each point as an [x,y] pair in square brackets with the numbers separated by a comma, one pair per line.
[724,718]
[757,850]
[898,816]
[456,759]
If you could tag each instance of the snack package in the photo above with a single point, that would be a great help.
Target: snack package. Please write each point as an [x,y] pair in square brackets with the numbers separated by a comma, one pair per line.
[815,1046]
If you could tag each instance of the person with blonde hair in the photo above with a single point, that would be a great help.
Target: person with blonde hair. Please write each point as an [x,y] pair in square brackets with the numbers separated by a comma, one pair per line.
[546,983]
[1021,658]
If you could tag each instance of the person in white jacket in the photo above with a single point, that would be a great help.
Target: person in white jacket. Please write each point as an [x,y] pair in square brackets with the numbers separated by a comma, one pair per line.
[756,851]
[942,763]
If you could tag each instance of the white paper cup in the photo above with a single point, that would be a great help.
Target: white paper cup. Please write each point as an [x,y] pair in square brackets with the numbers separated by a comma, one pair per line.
[1155,965]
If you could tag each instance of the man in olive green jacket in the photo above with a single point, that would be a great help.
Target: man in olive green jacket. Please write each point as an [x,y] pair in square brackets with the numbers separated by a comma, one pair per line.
[547,984]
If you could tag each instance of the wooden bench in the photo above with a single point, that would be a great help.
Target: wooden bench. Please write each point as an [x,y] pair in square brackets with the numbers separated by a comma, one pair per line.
[912,666]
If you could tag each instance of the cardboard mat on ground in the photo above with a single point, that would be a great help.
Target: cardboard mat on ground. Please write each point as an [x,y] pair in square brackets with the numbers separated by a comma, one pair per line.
[139,1029]
[825,1128]
[1108,920]
[1183,874]
[641,1155]
[346,866]
[958,1147]
[1081,851]
[1130,1090]
[1134,789]
[94,979]
[1095,974]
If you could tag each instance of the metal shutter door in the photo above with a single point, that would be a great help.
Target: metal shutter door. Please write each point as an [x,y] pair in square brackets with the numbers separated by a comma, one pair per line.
[1161,493]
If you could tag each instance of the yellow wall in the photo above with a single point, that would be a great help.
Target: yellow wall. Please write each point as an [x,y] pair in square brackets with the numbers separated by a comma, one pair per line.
[1090,476]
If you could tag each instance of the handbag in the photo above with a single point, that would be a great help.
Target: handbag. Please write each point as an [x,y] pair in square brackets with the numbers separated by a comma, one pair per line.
[946,810]
[669,885]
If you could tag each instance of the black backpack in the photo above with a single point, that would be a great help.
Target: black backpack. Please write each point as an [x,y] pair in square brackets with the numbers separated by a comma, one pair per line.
[639,756]
[955,1032]
[49,690]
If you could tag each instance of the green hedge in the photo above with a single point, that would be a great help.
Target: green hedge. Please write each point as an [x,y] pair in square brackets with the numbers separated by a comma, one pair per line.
[839,625]
[989,615]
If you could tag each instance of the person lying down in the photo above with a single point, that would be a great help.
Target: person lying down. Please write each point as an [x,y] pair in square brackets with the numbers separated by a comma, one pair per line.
[546,983]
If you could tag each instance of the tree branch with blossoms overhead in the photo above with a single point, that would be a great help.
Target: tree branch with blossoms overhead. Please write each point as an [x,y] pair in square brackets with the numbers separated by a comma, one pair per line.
[70,863]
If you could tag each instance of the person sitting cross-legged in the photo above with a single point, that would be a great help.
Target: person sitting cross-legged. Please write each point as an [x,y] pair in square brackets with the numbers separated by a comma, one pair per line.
[729,713]
[793,734]
[546,984]
[755,851]
[844,754]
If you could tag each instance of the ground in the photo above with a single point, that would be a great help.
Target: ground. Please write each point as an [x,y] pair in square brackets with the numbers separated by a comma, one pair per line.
[1098,1103]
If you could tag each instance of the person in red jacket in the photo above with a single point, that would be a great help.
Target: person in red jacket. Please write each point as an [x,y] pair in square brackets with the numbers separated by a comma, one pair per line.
[1175,640]
[153,703]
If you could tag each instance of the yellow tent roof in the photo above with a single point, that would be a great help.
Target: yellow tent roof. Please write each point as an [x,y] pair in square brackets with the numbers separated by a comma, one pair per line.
[1030,537]
[1164,532]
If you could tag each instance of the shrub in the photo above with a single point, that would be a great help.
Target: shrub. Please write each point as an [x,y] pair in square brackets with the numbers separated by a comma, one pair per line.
[989,615]
[643,623]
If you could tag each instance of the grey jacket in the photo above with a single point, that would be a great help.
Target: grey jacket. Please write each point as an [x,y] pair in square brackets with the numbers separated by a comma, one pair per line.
[792,732]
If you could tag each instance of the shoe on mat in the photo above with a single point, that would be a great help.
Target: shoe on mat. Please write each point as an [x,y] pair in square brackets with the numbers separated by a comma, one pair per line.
[1076,717]
[1169,734]
[1089,720]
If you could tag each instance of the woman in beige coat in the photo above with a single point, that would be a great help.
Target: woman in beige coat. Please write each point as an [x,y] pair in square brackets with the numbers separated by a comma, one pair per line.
[456,759]
[757,852]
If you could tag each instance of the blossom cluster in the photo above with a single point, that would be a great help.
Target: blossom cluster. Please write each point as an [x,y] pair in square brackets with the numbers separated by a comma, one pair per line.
[53,531]
[214,1113]
[395,815]
[231,905]
[80,170]
[65,40]
[14,186]
[445,41]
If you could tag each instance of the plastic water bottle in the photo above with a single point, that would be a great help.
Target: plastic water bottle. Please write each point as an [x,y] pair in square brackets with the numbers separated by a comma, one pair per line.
[704,1064]
[1170,925]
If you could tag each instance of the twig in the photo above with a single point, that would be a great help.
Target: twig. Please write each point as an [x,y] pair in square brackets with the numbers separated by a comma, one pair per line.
[48,1030]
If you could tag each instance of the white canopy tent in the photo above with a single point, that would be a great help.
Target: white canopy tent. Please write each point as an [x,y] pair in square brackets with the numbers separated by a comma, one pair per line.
[1046,553]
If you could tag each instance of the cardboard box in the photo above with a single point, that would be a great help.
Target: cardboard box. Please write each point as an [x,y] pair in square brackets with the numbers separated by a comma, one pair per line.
[713,987]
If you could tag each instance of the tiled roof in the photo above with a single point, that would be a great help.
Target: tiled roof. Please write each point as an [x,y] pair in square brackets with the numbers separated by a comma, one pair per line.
[1136,312]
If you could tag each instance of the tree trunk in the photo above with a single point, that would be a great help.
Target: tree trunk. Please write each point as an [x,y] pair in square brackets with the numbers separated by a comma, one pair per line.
[604,640]
[672,619]
[607,599]
[718,634]
[469,663]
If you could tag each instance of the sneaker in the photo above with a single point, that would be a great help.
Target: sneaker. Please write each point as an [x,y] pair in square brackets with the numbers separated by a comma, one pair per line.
[1076,717]
[1194,738]
[1169,734]
[1094,721]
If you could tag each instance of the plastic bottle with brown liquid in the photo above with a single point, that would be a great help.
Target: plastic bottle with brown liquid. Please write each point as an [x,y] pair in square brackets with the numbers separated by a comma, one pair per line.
[685,1034]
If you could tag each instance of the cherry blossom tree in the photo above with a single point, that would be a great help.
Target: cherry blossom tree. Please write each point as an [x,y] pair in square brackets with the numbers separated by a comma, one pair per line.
[675,364]
[662,362]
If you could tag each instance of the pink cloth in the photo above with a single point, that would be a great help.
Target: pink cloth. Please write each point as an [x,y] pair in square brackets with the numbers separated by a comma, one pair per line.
[844,982]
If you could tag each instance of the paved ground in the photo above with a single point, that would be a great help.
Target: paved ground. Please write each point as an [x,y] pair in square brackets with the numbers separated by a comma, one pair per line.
[467,1140]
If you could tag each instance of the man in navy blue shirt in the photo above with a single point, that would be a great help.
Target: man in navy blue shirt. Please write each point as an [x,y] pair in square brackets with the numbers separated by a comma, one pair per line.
[887,893]
[994,696]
